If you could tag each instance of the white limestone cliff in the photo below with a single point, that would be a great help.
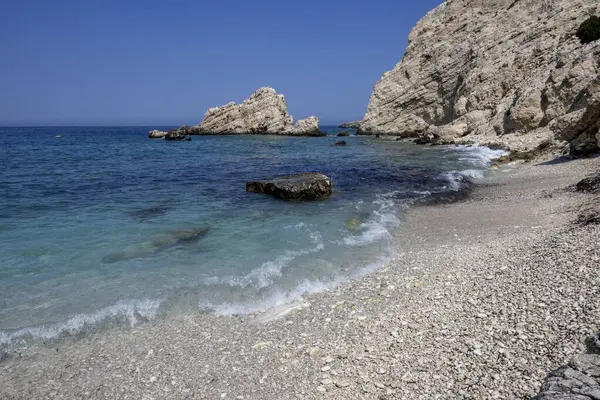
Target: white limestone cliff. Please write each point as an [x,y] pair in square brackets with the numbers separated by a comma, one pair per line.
[508,72]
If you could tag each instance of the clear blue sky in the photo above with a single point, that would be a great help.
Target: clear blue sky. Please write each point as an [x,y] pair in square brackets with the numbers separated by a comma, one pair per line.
[80,62]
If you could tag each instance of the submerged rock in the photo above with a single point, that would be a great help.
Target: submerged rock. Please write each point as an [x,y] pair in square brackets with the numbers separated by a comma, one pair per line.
[341,143]
[177,237]
[343,134]
[146,214]
[495,71]
[305,186]
[174,238]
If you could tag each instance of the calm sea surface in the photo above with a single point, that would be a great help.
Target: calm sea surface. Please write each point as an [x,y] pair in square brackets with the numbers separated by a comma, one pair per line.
[104,226]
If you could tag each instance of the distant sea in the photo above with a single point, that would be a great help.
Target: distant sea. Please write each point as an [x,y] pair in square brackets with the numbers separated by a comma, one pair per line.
[103,226]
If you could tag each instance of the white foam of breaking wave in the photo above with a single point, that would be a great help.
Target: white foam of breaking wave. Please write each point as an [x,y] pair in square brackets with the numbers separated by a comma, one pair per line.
[134,311]
[479,155]
[379,226]
[457,179]
[269,271]
[454,180]
[282,297]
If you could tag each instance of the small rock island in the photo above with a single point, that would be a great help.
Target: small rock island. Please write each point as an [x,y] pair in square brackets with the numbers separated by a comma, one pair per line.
[265,112]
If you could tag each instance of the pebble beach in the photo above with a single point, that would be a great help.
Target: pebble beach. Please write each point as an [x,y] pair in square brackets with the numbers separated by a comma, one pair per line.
[486,297]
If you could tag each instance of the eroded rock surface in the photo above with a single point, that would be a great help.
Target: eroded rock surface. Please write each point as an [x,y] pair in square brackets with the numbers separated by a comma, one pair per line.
[580,380]
[510,72]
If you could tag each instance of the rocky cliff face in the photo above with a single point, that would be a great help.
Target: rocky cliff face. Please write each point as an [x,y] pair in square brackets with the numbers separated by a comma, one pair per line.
[265,112]
[510,72]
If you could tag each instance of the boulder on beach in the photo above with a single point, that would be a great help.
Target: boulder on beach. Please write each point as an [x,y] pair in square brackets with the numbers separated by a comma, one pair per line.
[579,380]
[304,186]
[156,134]
[589,185]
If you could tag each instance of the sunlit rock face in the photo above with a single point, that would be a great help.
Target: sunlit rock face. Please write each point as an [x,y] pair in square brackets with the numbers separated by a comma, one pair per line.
[511,72]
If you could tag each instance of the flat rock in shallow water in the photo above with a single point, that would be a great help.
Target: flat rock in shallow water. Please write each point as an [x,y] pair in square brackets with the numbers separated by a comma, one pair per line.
[305,186]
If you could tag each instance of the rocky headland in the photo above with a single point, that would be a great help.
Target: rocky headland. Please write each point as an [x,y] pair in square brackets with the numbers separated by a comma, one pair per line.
[510,73]
[264,112]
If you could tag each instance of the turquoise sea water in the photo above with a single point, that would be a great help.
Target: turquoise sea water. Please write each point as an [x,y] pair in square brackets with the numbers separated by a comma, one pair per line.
[105,226]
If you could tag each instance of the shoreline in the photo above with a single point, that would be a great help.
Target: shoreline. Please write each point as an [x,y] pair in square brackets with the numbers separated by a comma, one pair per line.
[456,314]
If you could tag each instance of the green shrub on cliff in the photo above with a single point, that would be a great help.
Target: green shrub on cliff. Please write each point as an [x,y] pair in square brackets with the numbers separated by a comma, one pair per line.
[589,30]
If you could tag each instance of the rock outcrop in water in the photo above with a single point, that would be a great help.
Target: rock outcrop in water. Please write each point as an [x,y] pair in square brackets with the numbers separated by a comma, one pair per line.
[156,134]
[509,72]
[176,136]
[265,112]
[305,186]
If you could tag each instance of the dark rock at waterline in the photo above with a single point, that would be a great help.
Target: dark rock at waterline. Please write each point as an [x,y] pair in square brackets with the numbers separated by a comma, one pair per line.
[341,143]
[343,134]
[188,130]
[175,135]
[305,186]
[174,238]
[589,185]
[420,140]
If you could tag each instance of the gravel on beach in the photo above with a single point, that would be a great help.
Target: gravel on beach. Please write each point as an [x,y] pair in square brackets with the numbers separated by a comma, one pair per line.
[485,298]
